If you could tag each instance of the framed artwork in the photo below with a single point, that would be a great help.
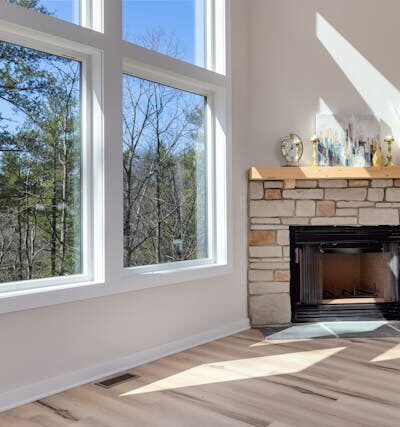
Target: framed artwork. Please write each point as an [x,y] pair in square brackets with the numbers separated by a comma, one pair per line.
[347,140]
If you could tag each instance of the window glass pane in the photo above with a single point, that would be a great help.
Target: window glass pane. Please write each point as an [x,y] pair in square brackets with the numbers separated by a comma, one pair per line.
[165,174]
[69,10]
[40,183]
[172,27]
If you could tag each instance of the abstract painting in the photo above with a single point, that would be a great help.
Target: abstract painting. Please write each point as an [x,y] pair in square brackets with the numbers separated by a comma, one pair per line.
[347,140]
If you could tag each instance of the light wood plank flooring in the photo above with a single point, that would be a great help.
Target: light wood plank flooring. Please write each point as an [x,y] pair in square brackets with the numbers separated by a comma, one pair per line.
[241,381]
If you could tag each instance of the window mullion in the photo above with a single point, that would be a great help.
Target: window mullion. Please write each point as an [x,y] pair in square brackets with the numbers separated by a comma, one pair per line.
[96,14]
[220,8]
[86,13]
[112,20]
[112,113]
[210,34]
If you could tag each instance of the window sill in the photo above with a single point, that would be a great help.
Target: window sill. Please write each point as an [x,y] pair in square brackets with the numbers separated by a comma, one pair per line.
[147,277]
[129,281]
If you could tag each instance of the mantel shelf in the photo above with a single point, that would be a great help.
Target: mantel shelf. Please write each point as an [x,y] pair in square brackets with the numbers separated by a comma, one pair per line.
[311,172]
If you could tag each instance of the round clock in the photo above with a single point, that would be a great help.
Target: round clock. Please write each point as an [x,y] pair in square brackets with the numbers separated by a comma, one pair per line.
[292,149]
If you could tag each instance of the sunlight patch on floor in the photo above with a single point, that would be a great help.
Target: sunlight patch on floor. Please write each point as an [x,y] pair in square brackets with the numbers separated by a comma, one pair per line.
[241,369]
[391,354]
[277,341]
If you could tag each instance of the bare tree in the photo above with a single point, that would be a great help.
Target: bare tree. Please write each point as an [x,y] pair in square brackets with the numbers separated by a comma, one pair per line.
[161,145]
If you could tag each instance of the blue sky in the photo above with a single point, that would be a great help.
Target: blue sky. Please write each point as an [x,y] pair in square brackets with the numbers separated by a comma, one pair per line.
[182,18]
[64,9]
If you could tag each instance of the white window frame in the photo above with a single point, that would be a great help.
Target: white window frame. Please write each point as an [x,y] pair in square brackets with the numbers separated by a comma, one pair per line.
[87,203]
[132,69]
[105,57]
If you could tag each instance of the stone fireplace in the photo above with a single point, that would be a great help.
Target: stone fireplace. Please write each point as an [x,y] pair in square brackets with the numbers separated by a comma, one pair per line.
[278,205]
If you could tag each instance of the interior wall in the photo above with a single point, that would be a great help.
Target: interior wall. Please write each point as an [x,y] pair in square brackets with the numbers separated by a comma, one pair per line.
[376,274]
[367,271]
[341,271]
[320,55]
[40,345]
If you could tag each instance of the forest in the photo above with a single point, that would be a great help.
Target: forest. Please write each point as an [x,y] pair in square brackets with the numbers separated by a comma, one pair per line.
[164,166]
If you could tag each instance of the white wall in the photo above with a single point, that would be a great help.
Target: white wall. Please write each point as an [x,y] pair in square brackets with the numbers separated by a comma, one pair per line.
[49,348]
[291,68]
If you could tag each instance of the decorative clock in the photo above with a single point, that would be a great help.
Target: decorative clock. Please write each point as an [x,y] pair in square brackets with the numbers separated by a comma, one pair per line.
[292,149]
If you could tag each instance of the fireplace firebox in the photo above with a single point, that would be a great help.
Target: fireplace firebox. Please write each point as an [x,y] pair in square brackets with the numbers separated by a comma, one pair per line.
[344,273]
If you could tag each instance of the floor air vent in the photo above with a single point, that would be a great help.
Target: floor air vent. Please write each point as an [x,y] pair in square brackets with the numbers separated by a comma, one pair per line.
[118,379]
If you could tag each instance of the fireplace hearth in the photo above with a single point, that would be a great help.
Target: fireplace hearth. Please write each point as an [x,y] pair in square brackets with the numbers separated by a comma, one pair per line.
[341,272]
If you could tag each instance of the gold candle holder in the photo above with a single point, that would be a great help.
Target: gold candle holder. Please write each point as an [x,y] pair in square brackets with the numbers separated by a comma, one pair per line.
[314,141]
[297,144]
[389,158]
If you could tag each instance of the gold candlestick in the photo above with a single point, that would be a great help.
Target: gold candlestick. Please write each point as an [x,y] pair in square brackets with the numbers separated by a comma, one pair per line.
[389,141]
[314,141]
[297,144]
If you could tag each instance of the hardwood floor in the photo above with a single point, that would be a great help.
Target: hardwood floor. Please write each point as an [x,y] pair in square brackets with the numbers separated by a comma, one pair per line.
[241,381]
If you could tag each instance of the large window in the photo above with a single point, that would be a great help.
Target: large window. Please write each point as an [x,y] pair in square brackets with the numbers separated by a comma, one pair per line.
[69,10]
[113,158]
[165,174]
[40,173]
[173,27]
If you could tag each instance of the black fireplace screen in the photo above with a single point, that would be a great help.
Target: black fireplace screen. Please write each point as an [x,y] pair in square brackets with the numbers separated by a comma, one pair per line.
[344,264]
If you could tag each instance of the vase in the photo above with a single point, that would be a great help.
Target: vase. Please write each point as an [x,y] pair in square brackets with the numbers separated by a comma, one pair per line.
[378,159]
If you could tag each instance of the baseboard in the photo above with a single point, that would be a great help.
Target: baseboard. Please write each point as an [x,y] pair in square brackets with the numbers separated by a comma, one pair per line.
[42,389]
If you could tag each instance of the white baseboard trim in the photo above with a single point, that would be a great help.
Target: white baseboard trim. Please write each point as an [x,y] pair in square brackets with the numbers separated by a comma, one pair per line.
[39,390]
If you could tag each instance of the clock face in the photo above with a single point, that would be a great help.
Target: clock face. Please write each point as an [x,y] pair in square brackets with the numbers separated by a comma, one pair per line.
[292,148]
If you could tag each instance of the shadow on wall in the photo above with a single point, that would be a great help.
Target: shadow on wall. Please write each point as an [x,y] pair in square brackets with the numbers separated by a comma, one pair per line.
[318,56]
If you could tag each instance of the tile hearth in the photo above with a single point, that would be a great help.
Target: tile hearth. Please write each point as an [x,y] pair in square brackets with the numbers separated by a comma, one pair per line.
[372,329]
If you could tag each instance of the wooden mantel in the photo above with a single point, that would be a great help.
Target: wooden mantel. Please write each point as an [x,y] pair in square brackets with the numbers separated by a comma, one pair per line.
[308,172]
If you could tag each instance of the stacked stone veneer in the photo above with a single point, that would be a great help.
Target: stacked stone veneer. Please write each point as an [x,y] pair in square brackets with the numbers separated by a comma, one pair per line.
[273,208]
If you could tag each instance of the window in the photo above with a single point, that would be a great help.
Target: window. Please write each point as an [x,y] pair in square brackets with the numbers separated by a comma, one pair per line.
[172,27]
[114,159]
[165,174]
[40,178]
[68,10]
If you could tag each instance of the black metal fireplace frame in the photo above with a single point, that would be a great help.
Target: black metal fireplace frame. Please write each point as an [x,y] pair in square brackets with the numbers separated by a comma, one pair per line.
[360,236]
